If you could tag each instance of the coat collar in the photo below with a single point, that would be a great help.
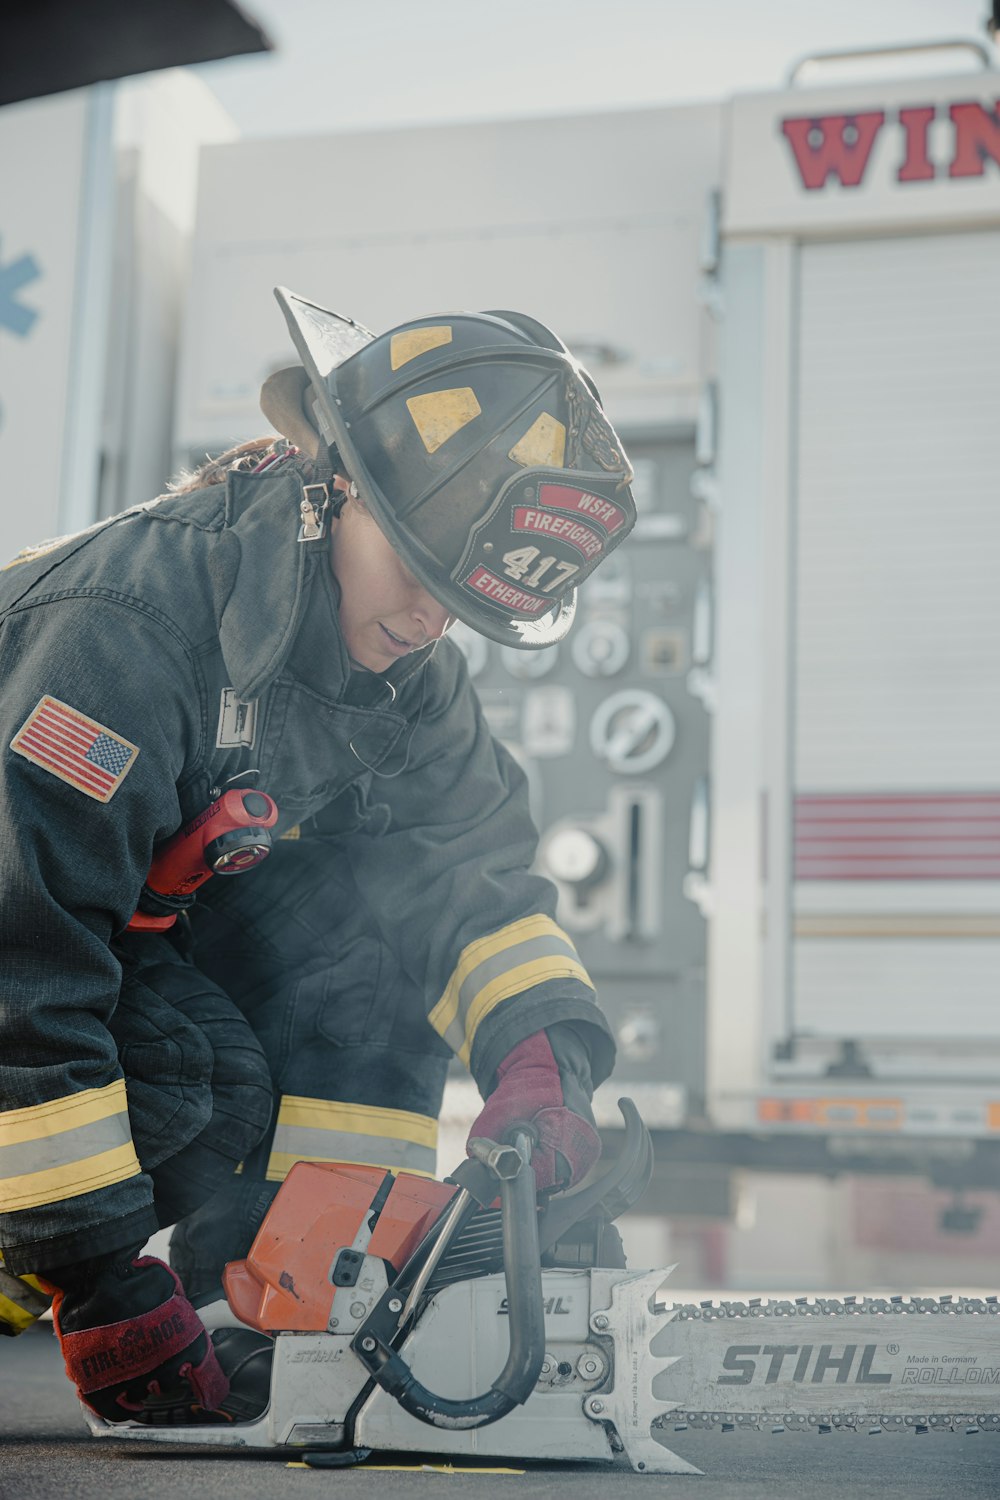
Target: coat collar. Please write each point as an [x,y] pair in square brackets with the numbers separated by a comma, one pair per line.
[263,579]
[261,575]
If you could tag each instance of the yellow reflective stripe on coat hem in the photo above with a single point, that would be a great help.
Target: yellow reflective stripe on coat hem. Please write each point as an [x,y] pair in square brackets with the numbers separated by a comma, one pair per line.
[331,1130]
[359,1119]
[35,1121]
[56,1184]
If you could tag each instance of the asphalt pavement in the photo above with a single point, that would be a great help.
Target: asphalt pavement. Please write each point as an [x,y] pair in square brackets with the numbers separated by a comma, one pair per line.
[47,1454]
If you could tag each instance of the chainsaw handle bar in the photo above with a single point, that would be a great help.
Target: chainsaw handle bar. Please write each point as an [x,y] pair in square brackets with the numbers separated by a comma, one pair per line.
[523,1277]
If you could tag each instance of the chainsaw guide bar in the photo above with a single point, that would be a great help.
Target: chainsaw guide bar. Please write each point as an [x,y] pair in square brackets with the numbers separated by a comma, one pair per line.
[867,1365]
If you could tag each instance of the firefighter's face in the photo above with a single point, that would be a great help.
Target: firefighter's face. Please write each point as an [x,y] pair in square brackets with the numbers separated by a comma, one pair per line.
[384,612]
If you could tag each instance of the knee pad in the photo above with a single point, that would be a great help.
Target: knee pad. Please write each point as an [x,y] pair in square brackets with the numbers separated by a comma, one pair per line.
[242,1089]
[168,1064]
[191,1061]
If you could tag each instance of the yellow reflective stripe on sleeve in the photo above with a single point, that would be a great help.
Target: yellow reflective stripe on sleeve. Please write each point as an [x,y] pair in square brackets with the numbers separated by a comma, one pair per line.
[328,1130]
[491,969]
[65,1147]
[514,982]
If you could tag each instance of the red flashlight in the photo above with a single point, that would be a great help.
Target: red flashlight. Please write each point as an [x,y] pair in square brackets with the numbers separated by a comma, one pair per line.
[228,837]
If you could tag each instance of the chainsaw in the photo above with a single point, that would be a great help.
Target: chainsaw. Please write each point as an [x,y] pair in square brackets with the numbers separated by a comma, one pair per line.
[384,1311]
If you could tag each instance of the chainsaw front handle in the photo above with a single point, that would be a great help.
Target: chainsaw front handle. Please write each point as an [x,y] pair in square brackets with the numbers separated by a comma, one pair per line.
[523,1277]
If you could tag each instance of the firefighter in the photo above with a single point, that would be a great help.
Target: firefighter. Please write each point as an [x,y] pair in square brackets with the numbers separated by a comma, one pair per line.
[278,623]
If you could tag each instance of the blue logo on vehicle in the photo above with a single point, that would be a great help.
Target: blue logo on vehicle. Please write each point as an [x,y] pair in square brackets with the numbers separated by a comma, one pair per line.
[14,276]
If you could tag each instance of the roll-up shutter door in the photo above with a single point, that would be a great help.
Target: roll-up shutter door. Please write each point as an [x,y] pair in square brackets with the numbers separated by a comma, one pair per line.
[896,655]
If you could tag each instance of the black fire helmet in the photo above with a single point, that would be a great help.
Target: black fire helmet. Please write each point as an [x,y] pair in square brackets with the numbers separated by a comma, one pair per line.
[479,445]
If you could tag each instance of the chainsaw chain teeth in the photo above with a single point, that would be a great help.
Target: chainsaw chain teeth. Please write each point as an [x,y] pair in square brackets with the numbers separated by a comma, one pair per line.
[831,1307]
[755,1421]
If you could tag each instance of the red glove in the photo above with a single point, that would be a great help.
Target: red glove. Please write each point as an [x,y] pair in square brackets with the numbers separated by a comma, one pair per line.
[134,1347]
[530,1095]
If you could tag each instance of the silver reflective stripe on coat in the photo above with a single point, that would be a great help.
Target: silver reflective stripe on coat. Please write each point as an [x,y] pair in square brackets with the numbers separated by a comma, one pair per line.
[65,1147]
[327,1130]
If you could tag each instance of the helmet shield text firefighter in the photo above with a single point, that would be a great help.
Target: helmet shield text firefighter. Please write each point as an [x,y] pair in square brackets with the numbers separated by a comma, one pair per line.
[479,446]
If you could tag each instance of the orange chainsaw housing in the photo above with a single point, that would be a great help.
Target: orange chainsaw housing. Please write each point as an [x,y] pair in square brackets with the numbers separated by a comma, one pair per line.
[285,1284]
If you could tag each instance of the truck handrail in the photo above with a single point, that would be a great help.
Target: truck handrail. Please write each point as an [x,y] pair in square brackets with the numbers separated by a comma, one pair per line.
[964,44]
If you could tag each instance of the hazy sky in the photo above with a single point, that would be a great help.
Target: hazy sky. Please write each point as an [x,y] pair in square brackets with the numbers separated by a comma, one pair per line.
[356,64]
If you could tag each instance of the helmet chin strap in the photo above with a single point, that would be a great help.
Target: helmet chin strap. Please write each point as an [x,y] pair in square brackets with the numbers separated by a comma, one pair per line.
[346,490]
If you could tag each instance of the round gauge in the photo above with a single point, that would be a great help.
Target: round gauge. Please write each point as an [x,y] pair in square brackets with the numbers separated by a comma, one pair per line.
[600,647]
[475,648]
[575,856]
[528,664]
[639,1037]
[633,731]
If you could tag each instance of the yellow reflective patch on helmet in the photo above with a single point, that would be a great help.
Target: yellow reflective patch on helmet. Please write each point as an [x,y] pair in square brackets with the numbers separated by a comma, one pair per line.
[413,341]
[544,443]
[440,414]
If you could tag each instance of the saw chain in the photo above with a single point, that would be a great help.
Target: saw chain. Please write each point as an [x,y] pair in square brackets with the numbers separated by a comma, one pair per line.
[815,1364]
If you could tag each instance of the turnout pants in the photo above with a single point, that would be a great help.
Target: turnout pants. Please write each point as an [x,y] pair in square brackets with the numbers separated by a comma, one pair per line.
[285,1032]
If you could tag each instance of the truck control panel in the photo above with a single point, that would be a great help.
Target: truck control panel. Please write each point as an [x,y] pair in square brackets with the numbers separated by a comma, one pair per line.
[611,729]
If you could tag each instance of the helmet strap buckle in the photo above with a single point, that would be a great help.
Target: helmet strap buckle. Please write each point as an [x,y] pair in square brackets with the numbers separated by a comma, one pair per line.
[312,511]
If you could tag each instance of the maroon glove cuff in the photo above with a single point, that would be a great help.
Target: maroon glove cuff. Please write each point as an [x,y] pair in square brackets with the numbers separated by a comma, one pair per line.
[529,1092]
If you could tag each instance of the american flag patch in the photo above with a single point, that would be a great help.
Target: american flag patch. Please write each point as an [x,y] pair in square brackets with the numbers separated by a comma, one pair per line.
[78,750]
